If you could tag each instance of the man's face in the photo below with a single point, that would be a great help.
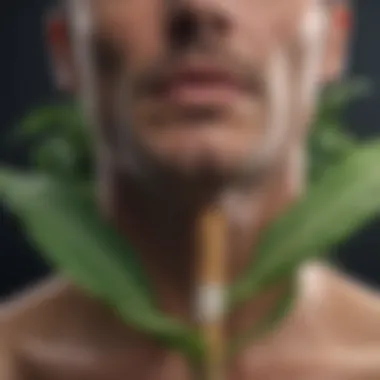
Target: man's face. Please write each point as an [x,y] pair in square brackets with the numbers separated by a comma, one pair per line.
[206,88]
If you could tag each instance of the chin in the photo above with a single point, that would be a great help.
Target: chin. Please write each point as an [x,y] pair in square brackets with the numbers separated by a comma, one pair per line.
[205,159]
[214,147]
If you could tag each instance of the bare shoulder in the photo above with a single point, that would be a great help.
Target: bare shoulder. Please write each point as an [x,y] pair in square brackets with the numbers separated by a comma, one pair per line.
[332,333]
[349,308]
[14,314]
[56,328]
[54,310]
[8,366]
[37,307]
[31,313]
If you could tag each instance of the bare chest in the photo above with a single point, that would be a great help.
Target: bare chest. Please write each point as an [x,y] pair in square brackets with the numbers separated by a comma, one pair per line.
[295,351]
[333,335]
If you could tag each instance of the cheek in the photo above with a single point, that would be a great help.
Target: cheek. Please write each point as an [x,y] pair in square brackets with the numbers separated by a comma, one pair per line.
[261,32]
[134,28]
[283,77]
[301,43]
[254,38]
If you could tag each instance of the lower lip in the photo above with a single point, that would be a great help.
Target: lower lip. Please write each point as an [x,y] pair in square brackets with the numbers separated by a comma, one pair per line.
[203,94]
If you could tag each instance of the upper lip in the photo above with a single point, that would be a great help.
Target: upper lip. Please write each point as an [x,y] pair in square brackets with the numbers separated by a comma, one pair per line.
[206,73]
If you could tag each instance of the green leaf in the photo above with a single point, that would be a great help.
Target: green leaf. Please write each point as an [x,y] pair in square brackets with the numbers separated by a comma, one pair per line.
[58,139]
[65,117]
[56,157]
[63,221]
[266,323]
[337,96]
[345,198]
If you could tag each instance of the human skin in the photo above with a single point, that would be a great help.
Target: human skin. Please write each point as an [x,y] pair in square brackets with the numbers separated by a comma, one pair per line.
[197,102]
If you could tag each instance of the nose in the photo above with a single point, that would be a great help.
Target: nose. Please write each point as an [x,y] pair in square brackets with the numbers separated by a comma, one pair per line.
[192,22]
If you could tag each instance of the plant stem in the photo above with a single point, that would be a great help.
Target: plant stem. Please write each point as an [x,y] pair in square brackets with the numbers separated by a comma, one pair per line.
[210,293]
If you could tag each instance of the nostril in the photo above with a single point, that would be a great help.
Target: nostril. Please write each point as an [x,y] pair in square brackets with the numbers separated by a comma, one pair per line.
[183,29]
[193,25]
[220,25]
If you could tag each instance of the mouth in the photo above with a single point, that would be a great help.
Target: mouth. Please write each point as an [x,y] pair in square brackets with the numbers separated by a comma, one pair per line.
[202,84]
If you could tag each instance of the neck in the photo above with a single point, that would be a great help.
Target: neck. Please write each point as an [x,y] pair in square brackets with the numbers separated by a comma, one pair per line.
[161,226]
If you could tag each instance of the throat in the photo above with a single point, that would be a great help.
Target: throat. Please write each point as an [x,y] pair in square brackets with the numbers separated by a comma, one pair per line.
[164,232]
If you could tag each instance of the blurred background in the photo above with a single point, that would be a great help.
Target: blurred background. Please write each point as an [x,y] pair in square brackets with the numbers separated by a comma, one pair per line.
[25,83]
